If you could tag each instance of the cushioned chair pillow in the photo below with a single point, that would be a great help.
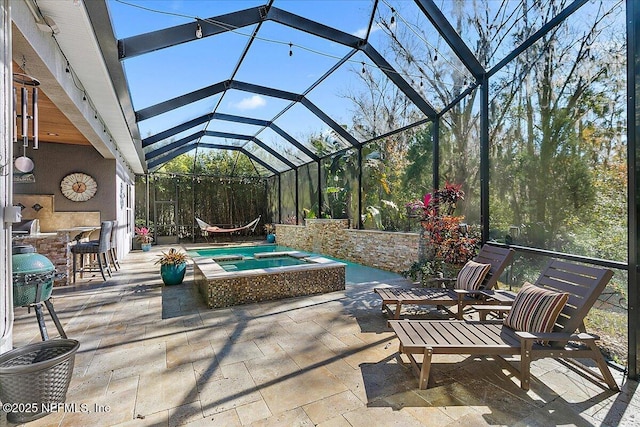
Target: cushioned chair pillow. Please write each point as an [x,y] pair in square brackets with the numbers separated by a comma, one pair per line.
[471,276]
[535,309]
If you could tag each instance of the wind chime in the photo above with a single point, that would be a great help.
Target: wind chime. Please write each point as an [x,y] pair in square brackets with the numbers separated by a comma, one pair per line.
[23,163]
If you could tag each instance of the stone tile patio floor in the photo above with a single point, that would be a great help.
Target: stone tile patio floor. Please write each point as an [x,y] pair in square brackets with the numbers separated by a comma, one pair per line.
[156,356]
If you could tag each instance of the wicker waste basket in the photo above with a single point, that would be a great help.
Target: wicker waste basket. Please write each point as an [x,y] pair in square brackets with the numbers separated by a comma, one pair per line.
[35,377]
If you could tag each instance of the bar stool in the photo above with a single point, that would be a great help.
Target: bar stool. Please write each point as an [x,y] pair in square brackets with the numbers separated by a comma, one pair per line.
[113,249]
[100,250]
[112,254]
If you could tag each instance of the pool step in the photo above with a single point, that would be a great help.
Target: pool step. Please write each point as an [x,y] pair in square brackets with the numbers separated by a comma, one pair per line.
[293,254]
[229,257]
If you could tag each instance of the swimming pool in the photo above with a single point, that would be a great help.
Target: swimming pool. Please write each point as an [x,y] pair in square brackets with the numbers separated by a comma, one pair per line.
[243,251]
[257,263]
[242,258]
[246,274]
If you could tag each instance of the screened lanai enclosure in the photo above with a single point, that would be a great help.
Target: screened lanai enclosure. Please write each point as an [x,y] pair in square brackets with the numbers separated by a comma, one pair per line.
[355,109]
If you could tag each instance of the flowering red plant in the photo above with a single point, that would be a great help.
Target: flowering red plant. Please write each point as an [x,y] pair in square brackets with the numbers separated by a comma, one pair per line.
[449,243]
[143,235]
[449,196]
[439,202]
[458,250]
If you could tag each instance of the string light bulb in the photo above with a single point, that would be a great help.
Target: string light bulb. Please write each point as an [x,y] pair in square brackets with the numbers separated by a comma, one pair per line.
[399,17]
[363,69]
[435,57]
[67,68]
[198,31]
[393,16]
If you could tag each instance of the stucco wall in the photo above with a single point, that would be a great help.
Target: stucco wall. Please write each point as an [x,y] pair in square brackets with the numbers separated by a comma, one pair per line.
[113,200]
[55,161]
[388,251]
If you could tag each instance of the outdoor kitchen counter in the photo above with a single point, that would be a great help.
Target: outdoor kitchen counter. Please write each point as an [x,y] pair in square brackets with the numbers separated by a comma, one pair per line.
[56,246]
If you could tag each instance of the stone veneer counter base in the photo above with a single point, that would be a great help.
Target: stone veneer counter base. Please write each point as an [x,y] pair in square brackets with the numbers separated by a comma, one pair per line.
[221,288]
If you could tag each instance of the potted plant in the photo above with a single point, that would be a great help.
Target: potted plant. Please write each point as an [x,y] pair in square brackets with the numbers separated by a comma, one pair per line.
[270,230]
[173,265]
[143,236]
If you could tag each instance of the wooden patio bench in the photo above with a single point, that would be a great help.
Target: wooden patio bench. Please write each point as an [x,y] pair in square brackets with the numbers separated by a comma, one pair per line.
[498,257]
[583,284]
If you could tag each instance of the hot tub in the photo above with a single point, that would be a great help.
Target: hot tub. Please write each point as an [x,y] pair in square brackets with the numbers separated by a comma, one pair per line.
[248,274]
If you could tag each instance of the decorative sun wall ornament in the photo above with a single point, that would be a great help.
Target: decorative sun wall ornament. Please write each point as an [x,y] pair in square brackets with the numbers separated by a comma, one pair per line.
[78,187]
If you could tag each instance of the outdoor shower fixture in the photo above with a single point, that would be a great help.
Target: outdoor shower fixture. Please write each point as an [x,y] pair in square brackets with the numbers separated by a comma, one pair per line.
[23,163]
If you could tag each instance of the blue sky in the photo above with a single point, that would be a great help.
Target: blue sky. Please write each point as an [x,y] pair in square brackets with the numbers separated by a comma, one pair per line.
[171,72]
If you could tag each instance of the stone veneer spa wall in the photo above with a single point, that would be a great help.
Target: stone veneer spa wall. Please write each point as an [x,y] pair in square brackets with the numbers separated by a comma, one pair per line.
[224,289]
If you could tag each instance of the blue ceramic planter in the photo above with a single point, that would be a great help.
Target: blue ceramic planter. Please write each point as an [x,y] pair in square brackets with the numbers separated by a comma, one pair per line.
[146,247]
[271,238]
[173,274]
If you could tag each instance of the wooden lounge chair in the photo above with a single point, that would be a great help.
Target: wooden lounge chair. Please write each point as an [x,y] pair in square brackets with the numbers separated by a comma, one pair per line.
[498,257]
[583,284]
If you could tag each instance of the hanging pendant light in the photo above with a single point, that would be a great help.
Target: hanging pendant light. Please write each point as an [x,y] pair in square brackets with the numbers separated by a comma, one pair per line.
[23,164]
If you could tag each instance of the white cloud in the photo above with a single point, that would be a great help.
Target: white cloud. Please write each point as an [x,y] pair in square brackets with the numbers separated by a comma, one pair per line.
[362,32]
[256,101]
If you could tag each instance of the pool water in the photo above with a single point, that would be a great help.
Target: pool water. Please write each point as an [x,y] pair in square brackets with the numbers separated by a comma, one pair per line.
[253,264]
[243,251]
[356,273]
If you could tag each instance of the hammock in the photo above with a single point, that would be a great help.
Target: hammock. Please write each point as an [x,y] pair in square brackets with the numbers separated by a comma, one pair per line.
[213,229]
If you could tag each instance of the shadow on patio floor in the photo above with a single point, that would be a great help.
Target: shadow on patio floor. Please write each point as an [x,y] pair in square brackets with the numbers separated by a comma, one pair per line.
[155,355]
